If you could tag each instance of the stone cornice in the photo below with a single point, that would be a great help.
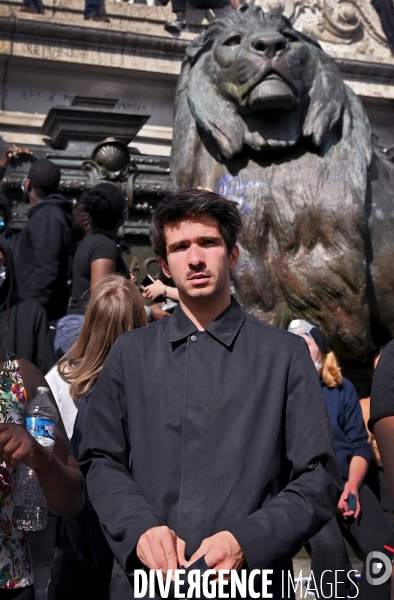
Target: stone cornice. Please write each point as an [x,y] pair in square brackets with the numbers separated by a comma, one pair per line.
[39,31]
[64,33]
[366,69]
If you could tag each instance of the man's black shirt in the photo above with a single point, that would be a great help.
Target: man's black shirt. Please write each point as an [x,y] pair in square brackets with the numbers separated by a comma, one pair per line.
[227,430]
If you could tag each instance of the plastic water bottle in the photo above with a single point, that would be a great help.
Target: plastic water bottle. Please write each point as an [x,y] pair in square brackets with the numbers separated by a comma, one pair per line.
[30,507]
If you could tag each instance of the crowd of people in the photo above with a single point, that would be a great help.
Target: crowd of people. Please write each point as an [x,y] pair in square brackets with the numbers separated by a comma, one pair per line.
[206,433]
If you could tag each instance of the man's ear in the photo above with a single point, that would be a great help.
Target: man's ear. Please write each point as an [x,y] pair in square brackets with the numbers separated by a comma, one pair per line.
[164,265]
[28,186]
[234,256]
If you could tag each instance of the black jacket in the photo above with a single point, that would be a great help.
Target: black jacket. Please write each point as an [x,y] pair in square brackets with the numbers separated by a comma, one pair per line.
[24,327]
[226,429]
[43,263]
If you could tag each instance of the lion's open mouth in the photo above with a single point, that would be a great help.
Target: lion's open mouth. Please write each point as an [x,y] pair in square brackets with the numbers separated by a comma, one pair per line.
[271,93]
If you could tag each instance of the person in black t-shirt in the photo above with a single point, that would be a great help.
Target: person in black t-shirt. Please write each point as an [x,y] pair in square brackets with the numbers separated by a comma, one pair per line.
[381,422]
[98,254]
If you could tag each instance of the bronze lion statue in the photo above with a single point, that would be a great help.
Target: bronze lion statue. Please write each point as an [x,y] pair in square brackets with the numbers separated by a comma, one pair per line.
[263,117]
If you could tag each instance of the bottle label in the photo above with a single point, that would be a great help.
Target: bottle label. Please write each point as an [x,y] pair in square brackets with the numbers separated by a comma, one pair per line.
[42,428]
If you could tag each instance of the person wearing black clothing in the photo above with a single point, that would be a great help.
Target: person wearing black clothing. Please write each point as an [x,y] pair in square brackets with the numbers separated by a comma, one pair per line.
[365,525]
[98,254]
[24,327]
[208,9]
[10,234]
[5,205]
[5,214]
[43,262]
[179,8]
[207,432]
[381,422]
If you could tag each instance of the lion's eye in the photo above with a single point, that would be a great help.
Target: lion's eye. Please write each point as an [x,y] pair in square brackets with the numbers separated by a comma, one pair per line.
[234,40]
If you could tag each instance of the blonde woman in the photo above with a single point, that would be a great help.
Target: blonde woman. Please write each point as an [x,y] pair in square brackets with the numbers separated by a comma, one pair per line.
[83,561]
[360,517]
[116,306]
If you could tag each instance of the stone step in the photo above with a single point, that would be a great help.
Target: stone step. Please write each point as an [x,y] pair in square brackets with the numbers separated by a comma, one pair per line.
[135,18]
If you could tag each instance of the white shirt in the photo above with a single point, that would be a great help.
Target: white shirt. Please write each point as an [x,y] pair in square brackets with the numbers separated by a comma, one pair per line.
[68,407]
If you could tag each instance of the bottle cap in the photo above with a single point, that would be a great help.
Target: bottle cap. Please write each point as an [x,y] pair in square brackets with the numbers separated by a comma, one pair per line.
[43,389]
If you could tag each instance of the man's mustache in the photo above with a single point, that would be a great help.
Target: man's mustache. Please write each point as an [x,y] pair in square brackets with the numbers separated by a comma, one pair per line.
[192,272]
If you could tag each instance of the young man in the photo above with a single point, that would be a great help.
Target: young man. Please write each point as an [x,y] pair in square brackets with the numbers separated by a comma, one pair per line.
[207,433]
[44,256]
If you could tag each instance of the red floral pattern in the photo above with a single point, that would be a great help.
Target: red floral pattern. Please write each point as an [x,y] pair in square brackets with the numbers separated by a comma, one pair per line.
[15,559]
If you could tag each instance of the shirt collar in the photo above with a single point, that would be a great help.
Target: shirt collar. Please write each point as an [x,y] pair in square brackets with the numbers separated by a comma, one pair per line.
[224,328]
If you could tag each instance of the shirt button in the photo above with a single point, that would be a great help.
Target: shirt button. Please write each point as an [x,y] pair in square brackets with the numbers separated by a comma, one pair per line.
[193,338]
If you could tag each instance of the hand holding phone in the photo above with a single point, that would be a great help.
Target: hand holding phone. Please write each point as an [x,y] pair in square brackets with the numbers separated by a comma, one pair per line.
[148,280]
[352,502]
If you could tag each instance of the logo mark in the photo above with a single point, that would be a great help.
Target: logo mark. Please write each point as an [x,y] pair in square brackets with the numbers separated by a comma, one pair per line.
[378,568]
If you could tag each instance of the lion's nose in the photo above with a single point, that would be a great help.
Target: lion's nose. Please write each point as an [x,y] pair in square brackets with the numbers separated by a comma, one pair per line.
[270,45]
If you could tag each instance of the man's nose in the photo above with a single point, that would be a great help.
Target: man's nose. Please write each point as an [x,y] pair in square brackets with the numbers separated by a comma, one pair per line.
[270,44]
[195,255]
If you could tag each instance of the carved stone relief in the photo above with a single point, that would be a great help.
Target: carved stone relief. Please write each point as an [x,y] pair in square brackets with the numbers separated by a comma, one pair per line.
[334,22]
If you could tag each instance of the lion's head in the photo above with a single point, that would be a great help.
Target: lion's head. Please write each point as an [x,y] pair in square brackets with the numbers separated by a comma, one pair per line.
[255,81]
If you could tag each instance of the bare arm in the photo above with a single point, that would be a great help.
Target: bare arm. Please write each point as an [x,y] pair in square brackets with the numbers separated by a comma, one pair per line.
[57,471]
[384,433]
[158,288]
[364,403]
[99,269]
[358,468]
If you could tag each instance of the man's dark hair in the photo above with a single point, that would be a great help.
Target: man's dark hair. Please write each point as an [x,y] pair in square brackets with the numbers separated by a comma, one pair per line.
[44,177]
[191,203]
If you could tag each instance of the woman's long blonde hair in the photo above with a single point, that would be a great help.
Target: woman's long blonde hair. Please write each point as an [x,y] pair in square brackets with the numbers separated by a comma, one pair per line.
[330,370]
[116,306]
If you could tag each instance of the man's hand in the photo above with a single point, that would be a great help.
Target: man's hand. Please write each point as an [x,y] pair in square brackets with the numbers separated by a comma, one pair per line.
[343,509]
[18,446]
[221,551]
[160,548]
